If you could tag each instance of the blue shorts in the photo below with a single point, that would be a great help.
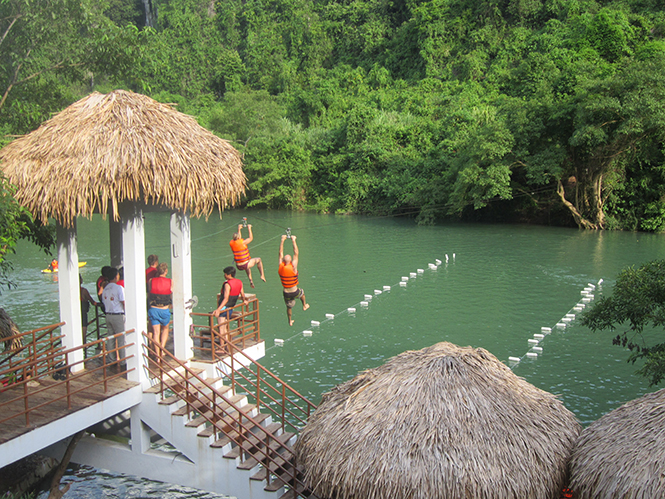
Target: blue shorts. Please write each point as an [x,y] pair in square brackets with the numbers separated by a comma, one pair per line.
[159,316]
[226,313]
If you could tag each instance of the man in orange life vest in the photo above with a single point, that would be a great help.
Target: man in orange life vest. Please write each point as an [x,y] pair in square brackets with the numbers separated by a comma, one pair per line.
[241,254]
[288,273]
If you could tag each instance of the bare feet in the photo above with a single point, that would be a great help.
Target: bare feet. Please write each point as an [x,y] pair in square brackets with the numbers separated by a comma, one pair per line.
[305,306]
[291,322]
[251,283]
[263,278]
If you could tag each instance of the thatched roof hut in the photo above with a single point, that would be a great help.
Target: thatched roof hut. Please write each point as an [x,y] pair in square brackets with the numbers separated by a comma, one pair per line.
[623,453]
[121,146]
[442,422]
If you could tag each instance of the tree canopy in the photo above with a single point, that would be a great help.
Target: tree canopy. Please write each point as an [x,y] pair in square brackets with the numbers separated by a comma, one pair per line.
[637,306]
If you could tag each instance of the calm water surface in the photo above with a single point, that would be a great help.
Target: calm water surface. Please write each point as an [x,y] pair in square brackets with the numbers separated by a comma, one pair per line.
[503,284]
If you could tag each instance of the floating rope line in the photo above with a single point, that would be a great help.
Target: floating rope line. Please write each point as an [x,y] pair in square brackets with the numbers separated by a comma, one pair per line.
[364,303]
[534,343]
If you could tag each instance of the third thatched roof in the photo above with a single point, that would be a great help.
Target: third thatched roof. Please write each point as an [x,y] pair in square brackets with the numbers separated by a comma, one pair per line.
[623,453]
[442,422]
[122,146]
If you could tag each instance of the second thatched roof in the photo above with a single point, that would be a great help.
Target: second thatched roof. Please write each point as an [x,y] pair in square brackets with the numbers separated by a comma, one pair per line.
[121,146]
[623,453]
[442,422]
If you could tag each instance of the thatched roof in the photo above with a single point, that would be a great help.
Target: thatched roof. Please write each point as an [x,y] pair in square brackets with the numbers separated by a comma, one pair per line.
[121,146]
[623,453]
[442,422]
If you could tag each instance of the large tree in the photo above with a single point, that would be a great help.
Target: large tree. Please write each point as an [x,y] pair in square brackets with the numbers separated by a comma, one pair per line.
[637,307]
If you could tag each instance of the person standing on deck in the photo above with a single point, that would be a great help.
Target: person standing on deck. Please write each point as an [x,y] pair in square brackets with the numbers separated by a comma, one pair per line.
[232,289]
[160,299]
[241,254]
[113,298]
[86,301]
[151,271]
[288,273]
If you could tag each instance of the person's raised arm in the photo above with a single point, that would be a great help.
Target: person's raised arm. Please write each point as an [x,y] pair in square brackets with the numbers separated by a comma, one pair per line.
[295,254]
[251,236]
[281,248]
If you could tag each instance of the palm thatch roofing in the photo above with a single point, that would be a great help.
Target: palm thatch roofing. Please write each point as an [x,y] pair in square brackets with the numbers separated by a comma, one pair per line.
[623,453]
[441,422]
[121,146]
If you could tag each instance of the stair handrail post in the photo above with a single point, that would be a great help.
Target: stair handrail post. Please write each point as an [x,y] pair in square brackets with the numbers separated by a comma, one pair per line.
[258,388]
[283,405]
[26,404]
[67,382]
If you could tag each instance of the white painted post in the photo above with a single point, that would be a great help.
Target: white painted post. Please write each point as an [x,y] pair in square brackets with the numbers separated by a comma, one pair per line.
[139,433]
[181,270]
[136,314]
[69,292]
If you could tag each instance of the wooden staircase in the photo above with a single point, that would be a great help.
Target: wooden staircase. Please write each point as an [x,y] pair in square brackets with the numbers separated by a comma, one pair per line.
[197,410]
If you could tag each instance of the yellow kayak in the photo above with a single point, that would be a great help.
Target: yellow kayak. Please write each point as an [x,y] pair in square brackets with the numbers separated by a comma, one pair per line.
[49,271]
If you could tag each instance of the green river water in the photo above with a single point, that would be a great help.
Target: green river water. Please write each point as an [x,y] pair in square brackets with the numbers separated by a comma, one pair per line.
[502,285]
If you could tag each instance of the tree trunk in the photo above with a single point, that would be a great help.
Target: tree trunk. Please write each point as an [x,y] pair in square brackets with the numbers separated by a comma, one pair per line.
[579,219]
[56,492]
[150,13]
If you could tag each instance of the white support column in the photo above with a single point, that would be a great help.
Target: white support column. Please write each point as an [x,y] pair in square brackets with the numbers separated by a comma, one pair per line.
[181,270]
[69,292]
[136,315]
[139,433]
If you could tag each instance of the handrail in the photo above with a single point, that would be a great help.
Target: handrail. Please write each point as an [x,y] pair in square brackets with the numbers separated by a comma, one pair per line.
[29,372]
[259,391]
[182,381]
[246,328]
[33,343]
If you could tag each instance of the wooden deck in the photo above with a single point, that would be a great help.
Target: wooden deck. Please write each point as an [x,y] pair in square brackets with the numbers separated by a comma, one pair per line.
[48,400]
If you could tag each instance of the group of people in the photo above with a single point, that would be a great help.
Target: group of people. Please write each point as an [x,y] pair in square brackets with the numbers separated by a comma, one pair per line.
[232,289]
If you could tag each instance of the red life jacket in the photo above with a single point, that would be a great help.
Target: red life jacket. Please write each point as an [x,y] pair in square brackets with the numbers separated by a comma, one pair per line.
[240,251]
[160,292]
[287,275]
[235,285]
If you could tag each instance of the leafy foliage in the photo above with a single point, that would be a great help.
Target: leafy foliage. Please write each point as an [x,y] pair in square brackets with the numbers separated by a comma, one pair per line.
[637,303]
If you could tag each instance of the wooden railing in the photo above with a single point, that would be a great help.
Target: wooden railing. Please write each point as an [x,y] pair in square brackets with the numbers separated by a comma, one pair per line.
[265,389]
[34,344]
[224,416]
[211,338]
[37,380]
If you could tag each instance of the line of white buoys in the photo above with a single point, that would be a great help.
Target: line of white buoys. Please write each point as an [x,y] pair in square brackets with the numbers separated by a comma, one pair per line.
[330,316]
[587,295]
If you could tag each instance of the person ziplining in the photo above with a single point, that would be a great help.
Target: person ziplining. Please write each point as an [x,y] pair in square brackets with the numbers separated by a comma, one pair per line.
[288,273]
[241,253]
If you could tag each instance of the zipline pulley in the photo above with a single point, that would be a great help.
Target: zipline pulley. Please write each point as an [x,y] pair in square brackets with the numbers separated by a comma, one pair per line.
[288,232]
[244,221]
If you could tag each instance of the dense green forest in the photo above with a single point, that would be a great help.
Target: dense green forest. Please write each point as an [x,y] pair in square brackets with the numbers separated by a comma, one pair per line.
[540,111]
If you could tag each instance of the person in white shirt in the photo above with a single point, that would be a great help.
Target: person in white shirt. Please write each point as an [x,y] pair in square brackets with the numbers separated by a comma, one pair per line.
[113,298]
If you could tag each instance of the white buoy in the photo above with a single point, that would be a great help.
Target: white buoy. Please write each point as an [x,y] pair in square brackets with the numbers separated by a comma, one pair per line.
[539,336]
[572,316]
[437,261]
[592,286]
[412,275]
[421,271]
[531,354]
[330,316]
[404,279]
[560,324]
[600,282]
[351,310]
[446,257]
[590,296]
[578,308]
[532,341]
[514,359]
[537,349]
[584,292]
[377,291]
[386,288]
[565,319]
[307,333]
[403,284]
[586,299]
[431,266]
[453,256]
[368,297]
[545,330]
[279,342]
[315,323]
[364,304]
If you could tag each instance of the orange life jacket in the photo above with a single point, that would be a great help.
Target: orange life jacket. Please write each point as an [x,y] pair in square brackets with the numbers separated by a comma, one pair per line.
[287,275]
[240,251]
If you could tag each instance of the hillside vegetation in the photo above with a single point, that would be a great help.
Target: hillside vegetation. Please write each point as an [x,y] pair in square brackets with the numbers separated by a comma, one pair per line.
[540,111]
